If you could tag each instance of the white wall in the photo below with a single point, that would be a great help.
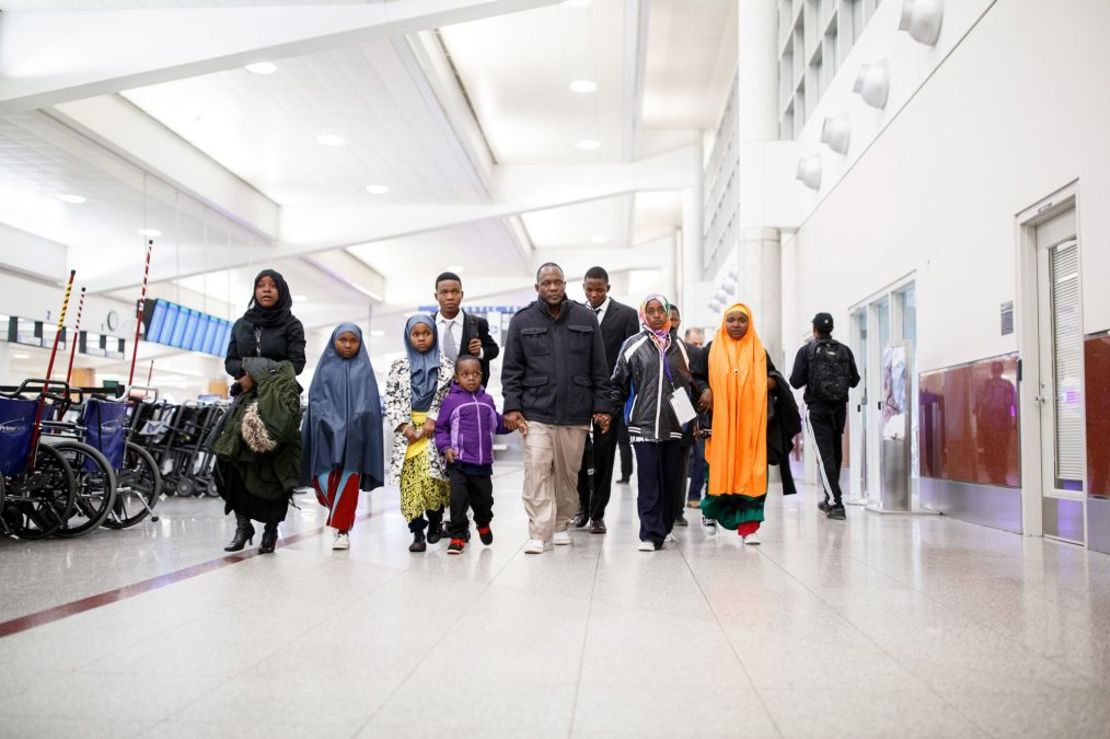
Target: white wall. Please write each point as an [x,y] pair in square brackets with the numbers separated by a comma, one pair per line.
[1019,109]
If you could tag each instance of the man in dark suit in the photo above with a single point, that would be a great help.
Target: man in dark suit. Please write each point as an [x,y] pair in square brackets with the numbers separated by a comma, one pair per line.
[618,322]
[460,333]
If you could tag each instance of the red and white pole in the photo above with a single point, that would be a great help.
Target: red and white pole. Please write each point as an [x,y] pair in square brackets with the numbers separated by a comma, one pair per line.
[76,334]
[139,313]
[49,372]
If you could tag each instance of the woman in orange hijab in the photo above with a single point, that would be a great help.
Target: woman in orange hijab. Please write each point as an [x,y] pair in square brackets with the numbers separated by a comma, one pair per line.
[734,379]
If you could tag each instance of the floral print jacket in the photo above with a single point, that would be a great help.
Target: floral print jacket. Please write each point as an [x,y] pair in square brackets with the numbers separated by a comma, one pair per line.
[398,410]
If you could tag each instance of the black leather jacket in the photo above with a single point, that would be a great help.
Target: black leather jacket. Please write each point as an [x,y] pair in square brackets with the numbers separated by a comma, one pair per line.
[639,370]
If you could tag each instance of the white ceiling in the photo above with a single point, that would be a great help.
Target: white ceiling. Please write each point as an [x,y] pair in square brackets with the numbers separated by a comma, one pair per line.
[16,5]
[41,158]
[691,59]
[264,128]
[517,69]
[582,226]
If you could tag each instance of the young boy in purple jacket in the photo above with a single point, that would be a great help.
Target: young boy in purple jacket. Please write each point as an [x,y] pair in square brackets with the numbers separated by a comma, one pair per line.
[468,419]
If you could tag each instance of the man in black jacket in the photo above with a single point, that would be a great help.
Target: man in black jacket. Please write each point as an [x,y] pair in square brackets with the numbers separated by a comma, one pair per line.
[617,322]
[555,382]
[460,333]
[826,368]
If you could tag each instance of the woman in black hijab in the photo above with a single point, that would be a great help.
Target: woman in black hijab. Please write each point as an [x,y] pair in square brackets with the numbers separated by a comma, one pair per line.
[268,329]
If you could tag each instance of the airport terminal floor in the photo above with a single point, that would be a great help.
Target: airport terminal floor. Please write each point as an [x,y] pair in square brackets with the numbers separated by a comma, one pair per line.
[875,626]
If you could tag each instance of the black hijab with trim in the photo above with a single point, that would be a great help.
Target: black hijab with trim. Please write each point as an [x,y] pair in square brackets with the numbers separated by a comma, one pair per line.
[280,314]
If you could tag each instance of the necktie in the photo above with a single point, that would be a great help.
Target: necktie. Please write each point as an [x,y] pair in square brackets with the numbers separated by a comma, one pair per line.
[449,346]
[597,312]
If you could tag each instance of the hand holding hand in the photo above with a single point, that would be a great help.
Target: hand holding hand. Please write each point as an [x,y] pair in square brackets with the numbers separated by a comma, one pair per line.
[410,433]
[603,420]
[475,346]
[429,428]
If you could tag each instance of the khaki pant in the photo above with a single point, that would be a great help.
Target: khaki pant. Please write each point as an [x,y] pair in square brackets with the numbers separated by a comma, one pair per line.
[552,456]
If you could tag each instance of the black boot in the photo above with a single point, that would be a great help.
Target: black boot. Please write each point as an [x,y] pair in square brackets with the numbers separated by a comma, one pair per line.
[418,542]
[244,534]
[435,526]
[269,539]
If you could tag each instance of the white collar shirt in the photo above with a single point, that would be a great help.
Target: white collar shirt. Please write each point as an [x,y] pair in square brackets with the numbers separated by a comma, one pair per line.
[600,312]
[454,325]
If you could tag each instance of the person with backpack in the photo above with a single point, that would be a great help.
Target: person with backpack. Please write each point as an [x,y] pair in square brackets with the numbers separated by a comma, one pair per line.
[827,370]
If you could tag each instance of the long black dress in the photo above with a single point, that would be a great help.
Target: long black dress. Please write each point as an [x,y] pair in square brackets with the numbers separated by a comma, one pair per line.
[282,342]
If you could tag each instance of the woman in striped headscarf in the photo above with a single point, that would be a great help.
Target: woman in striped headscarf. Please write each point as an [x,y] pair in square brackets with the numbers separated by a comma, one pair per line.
[734,383]
[653,367]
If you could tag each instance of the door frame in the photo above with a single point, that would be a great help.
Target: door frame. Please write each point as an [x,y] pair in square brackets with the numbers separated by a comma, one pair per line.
[872,448]
[1027,326]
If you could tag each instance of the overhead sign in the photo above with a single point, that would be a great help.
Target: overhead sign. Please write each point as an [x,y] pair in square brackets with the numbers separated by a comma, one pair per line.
[184,328]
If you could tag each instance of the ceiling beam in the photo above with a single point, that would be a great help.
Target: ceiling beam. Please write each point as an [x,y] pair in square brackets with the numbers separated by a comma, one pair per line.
[127,131]
[311,229]
[51,57]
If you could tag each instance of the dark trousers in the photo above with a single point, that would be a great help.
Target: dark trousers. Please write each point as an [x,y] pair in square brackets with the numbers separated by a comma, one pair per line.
[678,485]
[827,423]
[626,449]
[435,518]
[697,470]
[659,465]
[598,455]
[473,492]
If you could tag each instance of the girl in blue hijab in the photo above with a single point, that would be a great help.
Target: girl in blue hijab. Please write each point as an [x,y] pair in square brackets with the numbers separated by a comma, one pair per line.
[342,438]
[414,390]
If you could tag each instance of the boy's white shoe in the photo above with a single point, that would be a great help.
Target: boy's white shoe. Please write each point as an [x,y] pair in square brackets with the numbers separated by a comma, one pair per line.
[534,546]
[647,546]
[670,539]
[342,540]
[751,539]
[710,526]
[561,538]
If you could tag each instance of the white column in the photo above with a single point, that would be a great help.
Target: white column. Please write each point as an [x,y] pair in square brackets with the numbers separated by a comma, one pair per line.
[692,261]
[757,107]
[5,361]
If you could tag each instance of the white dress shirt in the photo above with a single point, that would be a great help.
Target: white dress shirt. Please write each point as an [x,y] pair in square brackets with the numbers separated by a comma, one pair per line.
[455,326]
[600,312]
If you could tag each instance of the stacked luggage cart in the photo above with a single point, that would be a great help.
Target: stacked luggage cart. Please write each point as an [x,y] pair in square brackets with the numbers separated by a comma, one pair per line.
[100,460]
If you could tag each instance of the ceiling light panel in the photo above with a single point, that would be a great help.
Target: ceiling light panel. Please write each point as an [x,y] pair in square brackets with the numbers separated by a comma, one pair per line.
[265,129]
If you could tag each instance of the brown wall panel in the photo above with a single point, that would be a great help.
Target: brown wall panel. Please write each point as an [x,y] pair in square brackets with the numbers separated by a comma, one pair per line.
[1097,390]
[968,427]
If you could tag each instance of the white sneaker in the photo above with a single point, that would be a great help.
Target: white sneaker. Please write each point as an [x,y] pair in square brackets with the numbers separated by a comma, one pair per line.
[647,546]
[561,538]
[710,526]
[670,539]
[534,546]
[751,539]
[342,541]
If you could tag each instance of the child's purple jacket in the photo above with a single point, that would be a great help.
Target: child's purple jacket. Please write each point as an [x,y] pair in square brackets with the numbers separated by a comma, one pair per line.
[467,423]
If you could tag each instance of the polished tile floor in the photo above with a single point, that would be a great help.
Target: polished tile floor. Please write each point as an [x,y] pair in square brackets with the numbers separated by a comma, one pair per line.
[884,627]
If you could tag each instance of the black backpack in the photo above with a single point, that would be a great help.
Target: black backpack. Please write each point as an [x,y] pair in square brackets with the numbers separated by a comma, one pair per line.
[830,371]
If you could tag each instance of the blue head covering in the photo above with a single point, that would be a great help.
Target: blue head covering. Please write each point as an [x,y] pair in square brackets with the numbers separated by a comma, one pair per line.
[343,426]
[423,366]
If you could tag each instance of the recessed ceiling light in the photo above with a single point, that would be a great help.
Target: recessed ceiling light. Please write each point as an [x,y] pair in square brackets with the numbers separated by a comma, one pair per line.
[598,239]
[73,199]
[261,68]
[21,355]
[583,86]
[330,139]
[589,144]
[300,298]
[149,232]
[377,189]
[576,3]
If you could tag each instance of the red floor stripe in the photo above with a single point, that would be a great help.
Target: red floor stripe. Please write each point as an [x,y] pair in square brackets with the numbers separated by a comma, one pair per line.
[23,623]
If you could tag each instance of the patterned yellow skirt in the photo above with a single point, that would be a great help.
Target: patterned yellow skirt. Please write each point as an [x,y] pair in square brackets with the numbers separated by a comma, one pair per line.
[420,491]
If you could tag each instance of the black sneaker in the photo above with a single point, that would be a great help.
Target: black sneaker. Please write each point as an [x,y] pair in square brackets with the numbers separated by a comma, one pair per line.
[681,521]
[824,506]
[485,535]
[434,534]
[456,546]
[836,513]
